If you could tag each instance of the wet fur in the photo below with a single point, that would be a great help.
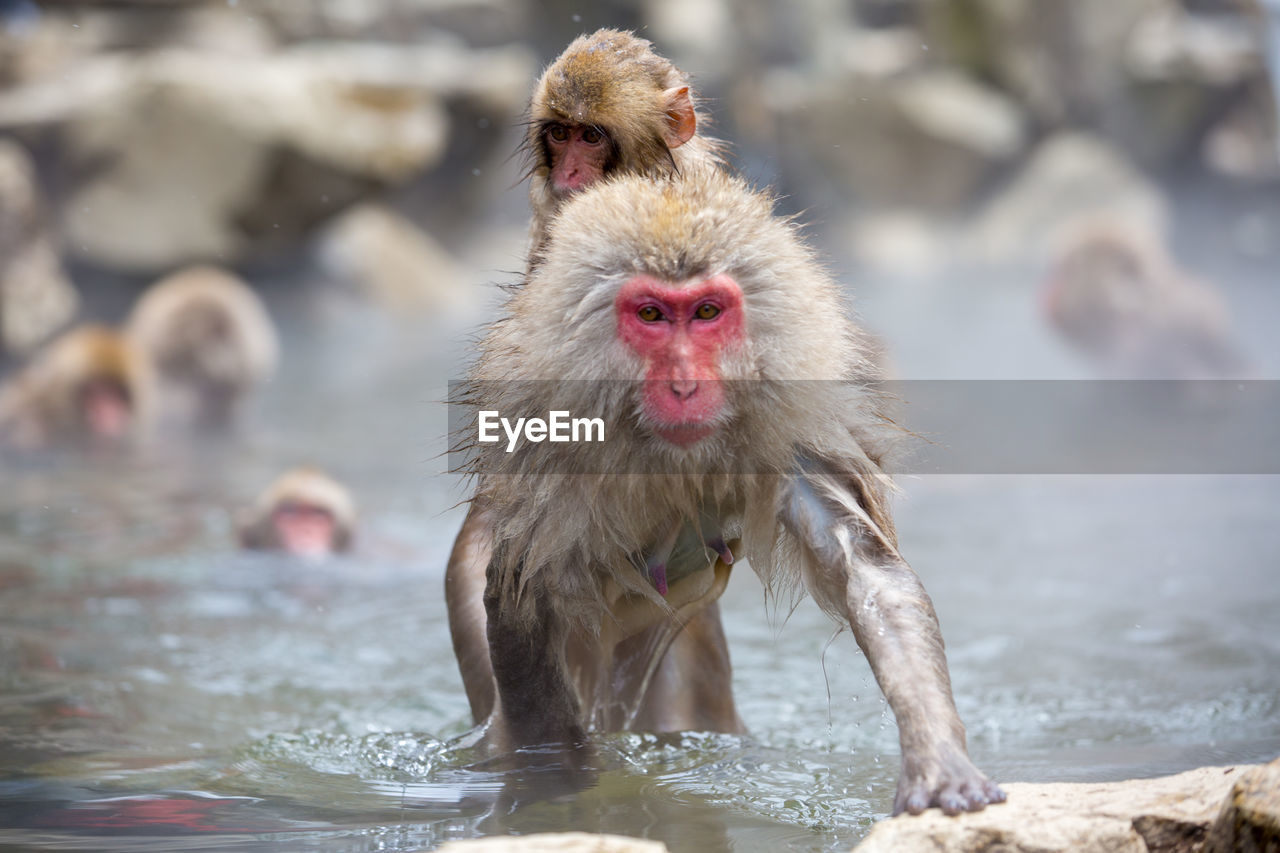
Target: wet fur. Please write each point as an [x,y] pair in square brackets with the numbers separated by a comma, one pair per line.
[700,225]
[794,470]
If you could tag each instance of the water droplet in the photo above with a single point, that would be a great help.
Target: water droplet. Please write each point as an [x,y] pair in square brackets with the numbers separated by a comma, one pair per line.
[577,19]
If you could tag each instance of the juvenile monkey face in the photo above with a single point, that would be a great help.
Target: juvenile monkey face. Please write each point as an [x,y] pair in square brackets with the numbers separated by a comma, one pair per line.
[578,155]
[304,529]
[681,332]
[106,410]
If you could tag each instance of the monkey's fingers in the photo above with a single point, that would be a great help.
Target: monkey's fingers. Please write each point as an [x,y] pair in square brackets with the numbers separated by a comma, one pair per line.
[953,789]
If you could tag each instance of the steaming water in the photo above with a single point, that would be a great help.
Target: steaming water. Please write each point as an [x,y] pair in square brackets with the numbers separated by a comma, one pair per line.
[159,690]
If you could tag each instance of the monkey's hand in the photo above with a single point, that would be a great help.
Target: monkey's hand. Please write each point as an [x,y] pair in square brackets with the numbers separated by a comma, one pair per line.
[946,778]
[855,570]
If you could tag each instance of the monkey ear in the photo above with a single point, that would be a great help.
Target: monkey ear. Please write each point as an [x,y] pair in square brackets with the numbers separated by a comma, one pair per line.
[681,121]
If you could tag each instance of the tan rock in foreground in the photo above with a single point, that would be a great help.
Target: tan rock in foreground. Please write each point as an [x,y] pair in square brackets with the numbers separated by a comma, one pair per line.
[555,842]
[1171,813]
[1250,818]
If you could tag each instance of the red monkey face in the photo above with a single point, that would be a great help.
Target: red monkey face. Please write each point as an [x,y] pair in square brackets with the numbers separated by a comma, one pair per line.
[304,530]
[578,156]
[107,412]
[681,331]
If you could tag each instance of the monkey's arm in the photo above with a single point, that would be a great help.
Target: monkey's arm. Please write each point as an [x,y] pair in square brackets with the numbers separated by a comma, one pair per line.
[464,583]
[855,569]
[536,703]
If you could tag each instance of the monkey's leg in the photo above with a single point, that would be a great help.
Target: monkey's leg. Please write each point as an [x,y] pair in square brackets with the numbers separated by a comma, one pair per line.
[464,582]
[676,673]
[858,570]
[692,687]
[536,703]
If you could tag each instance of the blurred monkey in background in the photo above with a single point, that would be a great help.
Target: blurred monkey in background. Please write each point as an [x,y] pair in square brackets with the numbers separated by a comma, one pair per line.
[88,387]
[211,341]
[304,512]
[1116,296]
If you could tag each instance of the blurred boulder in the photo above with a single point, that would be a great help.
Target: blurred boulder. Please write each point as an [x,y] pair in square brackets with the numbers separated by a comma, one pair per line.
[480,22]
[1185,73]
[1244,144]
[901,243]
[1148,75]
[392,261]
[1250,818]
[35,295]
[44,40]
[1171,813]
[929,139]
[1061,60]
[216,155]
[1172,43]
[1069,177]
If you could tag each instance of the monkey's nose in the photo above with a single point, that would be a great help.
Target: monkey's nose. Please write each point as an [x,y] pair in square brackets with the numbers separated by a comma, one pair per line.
[684,388]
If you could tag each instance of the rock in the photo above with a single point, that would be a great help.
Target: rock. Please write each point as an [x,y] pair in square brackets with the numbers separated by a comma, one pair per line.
[214,155]
[35,295]
[480,22]
[555,842]
[1070,176]
[1250,818]
[929,138]
[1169,814]
[693,28]
[1175,44]
[900,243]
[1244,143]
[1148,75]
[1033,49]
[1181,69]
[393,261]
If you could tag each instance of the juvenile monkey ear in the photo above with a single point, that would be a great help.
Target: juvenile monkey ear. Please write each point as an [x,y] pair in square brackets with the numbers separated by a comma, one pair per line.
[681,121]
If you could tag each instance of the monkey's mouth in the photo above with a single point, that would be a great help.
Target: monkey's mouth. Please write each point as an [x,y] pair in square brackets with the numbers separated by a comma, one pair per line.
[685,435]
[563,191]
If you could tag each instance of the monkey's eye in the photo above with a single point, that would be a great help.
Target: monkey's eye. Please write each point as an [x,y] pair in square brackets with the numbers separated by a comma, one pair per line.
[592,136]
[558,133]
[707,311]
[650,314]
